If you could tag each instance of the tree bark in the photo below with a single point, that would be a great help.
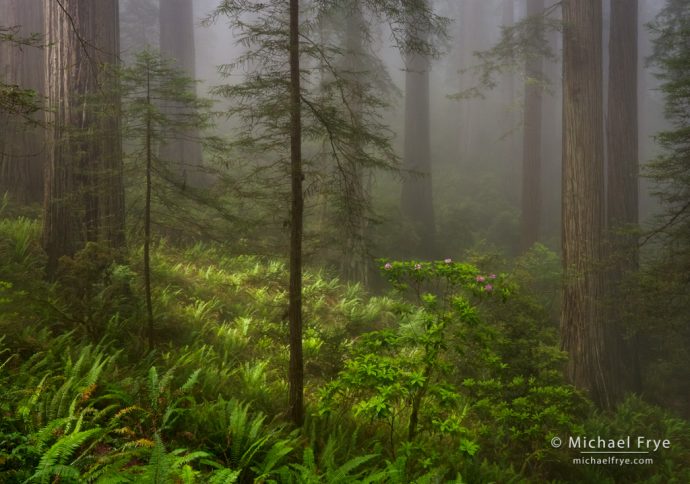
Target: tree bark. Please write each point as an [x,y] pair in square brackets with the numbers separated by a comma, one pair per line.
[532,144]
[84,193]
[296,370]
[417,198]
[177,43]
[622,180]
[21,152]
[583,333]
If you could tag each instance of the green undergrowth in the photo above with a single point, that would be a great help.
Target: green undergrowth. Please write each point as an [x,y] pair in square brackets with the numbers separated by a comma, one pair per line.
[453,376]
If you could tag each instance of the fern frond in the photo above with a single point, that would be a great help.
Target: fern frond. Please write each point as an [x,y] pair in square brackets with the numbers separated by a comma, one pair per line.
[224,476]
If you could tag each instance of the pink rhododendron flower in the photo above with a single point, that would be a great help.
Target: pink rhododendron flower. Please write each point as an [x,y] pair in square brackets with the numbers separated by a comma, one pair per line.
[488,288]
[492,276]
[388,266]
[448,261]
[480,279]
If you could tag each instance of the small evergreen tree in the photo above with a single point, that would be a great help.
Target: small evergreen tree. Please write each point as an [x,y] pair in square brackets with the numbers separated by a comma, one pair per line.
[149,86]
[278,40]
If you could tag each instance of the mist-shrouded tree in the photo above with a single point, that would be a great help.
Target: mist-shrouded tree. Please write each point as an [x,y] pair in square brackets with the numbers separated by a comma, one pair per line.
[417,193]
[139,27]
[532,139]
[21,80]
[665,293]
[584,332]
[281,144]
[148,86]
[84,194]
[177,43]
[622,184]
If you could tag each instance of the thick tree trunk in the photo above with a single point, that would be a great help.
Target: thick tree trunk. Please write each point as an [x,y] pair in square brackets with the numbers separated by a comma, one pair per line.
[622,180]
[531,145]
[177,42]
[296,370]
[21,152]
[417,200]
[583,330]
[84,194]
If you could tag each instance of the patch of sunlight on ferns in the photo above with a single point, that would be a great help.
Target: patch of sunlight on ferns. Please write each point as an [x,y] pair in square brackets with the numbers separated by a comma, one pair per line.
[19,238]
[201,311]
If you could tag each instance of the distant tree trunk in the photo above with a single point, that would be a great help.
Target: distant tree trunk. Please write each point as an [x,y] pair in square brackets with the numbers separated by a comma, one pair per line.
[532,144]
[296,370]
[84,194]
[354,262]
[21,152]
[583,331]
[417,200]
[623,173]
[147,211]
[177,42]
[508,121]
[552,142]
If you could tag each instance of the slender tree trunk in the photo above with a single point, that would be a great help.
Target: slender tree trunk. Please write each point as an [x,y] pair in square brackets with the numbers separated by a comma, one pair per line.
[147,212]
[84,193]
[622,180]
[532,144]
[177,42]
[354,262]
[417,199]
[583,331]
[296,373]
[21,156]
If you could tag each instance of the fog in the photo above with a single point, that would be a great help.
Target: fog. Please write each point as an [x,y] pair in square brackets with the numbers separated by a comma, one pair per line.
[474,142]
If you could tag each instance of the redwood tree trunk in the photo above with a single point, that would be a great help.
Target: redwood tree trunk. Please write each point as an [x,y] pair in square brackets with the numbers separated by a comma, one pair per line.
[21,152]
[531,145]
[417,201]
[177,43]
[296,370]
[583,329]
[622,180]
[84,194]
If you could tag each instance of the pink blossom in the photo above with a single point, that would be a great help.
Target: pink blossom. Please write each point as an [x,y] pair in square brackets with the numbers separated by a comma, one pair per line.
[480,279]
[488,288]
[492,276]
[388,266]
[417,267]
[448,261]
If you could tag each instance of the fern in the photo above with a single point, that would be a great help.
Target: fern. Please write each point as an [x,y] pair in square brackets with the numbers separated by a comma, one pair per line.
[53,462]
[224,476]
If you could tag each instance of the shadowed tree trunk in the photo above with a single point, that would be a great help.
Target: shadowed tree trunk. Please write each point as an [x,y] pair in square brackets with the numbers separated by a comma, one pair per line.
[417,200]
[622,180]
[21,152]
[296,370]
[532,144]
[177,42]
[84,194]
[583,331]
